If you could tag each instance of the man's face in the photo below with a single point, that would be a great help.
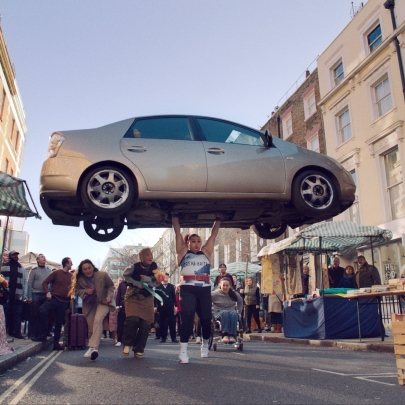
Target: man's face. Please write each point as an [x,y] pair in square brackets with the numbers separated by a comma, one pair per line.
[305,270]
[166,279]
[361,261]
[5,257]
[336,262]
[222,269]
[69,264]
[41,260]
[14,257]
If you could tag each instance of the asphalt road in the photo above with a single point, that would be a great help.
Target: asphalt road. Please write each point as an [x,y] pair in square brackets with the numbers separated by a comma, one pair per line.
[264,373]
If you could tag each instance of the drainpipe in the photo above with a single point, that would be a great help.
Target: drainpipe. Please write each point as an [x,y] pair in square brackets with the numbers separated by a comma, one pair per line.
[390,5]
[278,120]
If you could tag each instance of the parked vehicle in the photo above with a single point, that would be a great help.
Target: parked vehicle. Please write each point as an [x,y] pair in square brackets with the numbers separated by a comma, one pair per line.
[134,172]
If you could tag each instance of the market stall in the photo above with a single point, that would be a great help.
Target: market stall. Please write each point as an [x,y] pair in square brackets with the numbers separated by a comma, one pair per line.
[325,316]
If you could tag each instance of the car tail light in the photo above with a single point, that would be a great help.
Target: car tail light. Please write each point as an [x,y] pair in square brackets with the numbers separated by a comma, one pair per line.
[55,141]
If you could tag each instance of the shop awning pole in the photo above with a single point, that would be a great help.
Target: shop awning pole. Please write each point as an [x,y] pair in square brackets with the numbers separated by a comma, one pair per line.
[372,252]
[4,240]
[320,251]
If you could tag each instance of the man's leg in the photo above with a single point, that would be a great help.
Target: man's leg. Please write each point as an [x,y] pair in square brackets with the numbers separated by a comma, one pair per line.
[171,318]
[61,308]
[163,324]
[44,311]
[142,336]
[17,312]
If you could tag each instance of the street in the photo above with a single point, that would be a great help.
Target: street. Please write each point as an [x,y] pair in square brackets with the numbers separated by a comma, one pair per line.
[263,373]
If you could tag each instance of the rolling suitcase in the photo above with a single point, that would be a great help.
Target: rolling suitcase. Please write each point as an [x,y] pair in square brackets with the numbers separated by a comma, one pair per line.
[77,331]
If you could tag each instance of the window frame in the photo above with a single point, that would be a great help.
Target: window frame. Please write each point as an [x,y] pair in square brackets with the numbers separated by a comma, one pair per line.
[310,140]
[3,103]
[286,128]
[373,88]
[333,70]
[369,32]
[307,113]
[338,115]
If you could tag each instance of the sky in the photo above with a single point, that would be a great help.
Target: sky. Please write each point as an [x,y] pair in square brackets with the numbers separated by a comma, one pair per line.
[87,63]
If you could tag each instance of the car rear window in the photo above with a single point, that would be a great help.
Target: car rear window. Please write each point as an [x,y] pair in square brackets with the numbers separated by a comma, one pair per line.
[177,128]
[225,132]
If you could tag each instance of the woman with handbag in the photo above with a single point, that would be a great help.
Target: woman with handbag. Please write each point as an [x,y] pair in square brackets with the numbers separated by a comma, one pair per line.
[97,292]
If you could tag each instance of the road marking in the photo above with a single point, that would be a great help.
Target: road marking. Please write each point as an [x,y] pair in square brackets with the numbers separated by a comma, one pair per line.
[24,377]
[364,377]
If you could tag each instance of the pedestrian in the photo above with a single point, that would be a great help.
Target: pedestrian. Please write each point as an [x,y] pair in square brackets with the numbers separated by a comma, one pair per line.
[195,289]
[4,257]
[139,305]
[36,294]
[348,280]
[305,280]
[367,275]
[335,273]
[57,299]
[97,292]
[276,312]
[120,303]
[223,273]
[252,304]
[167,309]
[16,276]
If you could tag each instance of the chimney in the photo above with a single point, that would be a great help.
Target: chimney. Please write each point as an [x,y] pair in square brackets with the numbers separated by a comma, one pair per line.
[272,113]
[307,73]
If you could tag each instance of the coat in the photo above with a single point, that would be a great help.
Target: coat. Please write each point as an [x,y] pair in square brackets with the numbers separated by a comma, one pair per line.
[104,287]
[275,303]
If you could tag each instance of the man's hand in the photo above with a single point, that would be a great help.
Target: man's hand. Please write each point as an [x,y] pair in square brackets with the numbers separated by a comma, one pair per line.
[29,301]
[48,295]
[108,300]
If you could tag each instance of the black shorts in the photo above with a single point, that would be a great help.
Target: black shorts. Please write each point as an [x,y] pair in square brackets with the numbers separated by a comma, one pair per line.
[196,299]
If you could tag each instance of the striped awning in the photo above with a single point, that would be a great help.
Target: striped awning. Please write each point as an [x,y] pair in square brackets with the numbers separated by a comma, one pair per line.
[13,202]
[333,236]
[238,269]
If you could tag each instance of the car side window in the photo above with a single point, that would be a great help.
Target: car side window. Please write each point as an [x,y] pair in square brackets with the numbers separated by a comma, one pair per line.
[177,128]
[225,132]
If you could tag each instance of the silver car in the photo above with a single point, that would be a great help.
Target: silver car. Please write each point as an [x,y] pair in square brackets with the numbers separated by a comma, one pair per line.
[135,172]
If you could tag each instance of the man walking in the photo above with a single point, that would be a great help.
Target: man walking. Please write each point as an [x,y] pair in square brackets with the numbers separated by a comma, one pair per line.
[335,273]
[36,294]
[367,275]
[56,299]
[16,275]
[167,310]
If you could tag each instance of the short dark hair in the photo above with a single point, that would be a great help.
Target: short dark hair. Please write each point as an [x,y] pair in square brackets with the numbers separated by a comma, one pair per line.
[167,274]
[361,257]
[65,261]
[223,265]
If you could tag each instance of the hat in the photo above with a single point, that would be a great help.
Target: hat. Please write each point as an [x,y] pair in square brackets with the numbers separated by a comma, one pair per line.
[13,252]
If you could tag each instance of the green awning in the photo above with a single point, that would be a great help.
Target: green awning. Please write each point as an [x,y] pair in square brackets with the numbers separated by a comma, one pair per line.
[13,202]
[332,236]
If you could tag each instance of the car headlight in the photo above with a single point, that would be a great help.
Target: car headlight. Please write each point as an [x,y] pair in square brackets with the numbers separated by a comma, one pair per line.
[55,141]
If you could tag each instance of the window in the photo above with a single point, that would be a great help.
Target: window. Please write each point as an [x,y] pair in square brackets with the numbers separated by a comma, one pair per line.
[382,97]
[226,253]
[287,126]
[17,140]
[176,128]
[216,256]
[238,246]
[221,131]
[313,144]
[344,126]
[374,38]
[309,104]
[3,102]
[338,73]
[394,181]
[354,213]
[12,129]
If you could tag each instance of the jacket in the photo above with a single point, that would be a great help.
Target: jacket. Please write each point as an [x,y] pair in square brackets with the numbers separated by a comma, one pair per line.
[104,287]
[21,290]
[367,276]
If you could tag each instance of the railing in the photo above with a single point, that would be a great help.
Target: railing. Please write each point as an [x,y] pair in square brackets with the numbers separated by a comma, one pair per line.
[392,305]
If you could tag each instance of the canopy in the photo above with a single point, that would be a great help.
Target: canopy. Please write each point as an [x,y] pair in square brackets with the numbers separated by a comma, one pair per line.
[12,197]
[333,236]
[237,269]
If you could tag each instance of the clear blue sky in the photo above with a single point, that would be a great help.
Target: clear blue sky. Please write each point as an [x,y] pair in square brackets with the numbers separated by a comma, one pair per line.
[87,63]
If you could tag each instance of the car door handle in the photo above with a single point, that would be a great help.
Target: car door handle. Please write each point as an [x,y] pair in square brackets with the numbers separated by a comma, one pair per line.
[137,149]
[216,151]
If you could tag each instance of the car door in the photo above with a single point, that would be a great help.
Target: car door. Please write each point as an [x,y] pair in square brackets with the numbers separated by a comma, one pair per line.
[166,153]
[238,161]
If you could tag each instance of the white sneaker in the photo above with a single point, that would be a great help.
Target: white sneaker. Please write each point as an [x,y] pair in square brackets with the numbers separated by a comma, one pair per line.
[198,340]
[89,352]
[204,350]
[118,344]
[183,358]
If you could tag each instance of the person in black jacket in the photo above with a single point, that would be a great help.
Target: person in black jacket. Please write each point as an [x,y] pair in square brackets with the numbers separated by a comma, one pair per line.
[167,310]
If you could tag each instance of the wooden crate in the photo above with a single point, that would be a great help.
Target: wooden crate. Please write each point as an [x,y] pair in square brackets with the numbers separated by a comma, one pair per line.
[398,330]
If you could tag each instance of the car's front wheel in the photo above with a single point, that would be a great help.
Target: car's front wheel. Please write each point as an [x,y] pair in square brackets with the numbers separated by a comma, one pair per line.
[107,191]
[102,229]
[314,193]
[269,231]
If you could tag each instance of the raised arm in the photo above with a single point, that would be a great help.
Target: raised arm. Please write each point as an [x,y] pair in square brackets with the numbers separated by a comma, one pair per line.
[208,248]
[181,247]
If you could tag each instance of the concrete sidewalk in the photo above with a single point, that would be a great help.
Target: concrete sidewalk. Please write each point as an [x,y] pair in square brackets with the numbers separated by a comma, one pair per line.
[368,344]
[23,348]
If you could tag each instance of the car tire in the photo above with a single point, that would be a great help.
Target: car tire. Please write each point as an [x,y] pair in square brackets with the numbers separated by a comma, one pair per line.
[100,230]
[107,191]
[314,193]
[269,231]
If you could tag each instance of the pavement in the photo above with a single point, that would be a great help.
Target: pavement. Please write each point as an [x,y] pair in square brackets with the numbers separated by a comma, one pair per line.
[24,348]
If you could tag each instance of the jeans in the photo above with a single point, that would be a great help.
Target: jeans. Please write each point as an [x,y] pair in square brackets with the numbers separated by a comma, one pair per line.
[60,308]
[13,316]
[251,310]
[167,320]
[33,326]
[229,321]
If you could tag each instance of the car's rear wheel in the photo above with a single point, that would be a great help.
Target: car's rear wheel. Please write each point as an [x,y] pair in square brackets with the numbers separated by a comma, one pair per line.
[102,229]
[268,231]
[314,193]
[107,191]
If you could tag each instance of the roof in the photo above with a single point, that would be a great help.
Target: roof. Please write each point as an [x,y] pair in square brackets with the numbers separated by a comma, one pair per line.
[333,236]
[29,261]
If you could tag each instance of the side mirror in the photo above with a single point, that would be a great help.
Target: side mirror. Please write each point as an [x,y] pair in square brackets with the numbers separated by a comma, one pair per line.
[267,139]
